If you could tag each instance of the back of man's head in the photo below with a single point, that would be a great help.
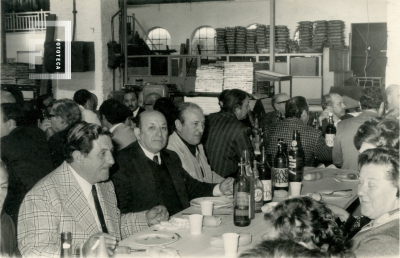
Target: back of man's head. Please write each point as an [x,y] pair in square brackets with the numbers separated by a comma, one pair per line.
[371,98]
[11,111]
[80,138]
[114,111]
[233,100]
[82,97]
[295,107]
[68,110]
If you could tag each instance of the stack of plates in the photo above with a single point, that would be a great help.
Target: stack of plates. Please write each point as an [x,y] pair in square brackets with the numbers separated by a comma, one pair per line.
[281,38]
[305,35]
[250,41]
[267,36]
[320,34]
[219,202]
[230,39]
[260,33]
[336,33]
[240,40]
[239,75]
[221,46]
[209,79]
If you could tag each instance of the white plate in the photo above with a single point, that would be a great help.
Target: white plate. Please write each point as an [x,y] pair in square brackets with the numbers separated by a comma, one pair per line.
[219,202]
[155,238]
[336,194]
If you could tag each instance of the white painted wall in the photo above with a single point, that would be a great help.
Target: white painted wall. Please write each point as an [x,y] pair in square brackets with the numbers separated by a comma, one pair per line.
[182,19]
[20,41]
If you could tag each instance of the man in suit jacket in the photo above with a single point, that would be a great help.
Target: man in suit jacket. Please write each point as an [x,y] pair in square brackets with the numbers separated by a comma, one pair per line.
[345,154]
[150,175]
[332,103]
[296,118]
[226,136]
[131,100]
[25,152]
[78,198]
[113,114]
[185,141]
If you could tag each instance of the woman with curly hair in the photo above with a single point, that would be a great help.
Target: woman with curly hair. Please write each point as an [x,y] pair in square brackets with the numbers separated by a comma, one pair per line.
[308,222]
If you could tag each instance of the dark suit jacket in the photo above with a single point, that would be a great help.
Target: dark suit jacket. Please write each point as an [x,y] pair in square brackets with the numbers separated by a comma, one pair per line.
[27,156]
[135,184]
[140,111]
[225,139]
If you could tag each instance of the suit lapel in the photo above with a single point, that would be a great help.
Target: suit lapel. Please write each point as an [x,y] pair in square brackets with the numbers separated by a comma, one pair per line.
[76,203]
[178,181]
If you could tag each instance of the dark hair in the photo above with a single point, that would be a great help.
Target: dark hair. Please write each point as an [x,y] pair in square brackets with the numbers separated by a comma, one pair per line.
[318,225]
[295,106]
[372,97]
[132,91]
[114,111]
[80,137]
[168,109]
[13,111]
[233,100]
[82,96]
[383,156]
[379,132]
[222,95]
[282,248]
[183,107]
[68,110]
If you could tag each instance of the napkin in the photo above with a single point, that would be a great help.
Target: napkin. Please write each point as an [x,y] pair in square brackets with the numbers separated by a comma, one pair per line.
[162,252]
[173,224]
[244,239]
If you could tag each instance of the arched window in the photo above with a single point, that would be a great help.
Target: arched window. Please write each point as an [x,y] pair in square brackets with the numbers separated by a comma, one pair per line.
[205,38]
[160,39]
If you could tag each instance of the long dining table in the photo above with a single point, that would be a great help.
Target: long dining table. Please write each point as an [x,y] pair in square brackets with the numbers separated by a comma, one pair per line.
[189,245]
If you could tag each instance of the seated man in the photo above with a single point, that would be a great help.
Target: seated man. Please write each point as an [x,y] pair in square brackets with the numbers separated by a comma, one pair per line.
[64,114]
[345,154]
[313,143]
[77,197]
[86,101]
[185,141]
[148,174]
[113,114]
[278,102]
[332,103]
[25,151]
[226,136]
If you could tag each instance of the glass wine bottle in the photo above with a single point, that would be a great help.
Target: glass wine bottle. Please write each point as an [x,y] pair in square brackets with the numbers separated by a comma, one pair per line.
[241,196]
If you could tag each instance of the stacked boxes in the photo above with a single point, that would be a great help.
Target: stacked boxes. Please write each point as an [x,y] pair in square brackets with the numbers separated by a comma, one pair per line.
[320,34]
[221,46]
[305,35]
[240,47]
[239,75]
[336,33]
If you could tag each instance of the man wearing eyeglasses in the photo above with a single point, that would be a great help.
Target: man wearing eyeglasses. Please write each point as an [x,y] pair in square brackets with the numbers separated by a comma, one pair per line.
[64,114]
[278,102]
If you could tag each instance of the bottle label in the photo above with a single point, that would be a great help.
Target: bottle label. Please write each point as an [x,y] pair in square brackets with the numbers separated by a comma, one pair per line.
[267,190]
[258,195]
[240,212]
[294,143]
[66,245]
[243,200]
[329,139]
[281,177]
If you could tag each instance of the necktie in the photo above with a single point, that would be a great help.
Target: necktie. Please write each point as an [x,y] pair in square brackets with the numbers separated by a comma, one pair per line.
[155,159]
[98,209]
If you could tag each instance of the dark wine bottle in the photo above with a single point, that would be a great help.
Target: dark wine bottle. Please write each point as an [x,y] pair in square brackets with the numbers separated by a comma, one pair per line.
[241,196]
[280,180]
[330,131]
[66,245]
[265,175]
[296,158]
[258,190]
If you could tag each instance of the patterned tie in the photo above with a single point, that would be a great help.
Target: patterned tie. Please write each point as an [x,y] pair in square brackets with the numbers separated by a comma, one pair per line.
[98,209]
[155,159]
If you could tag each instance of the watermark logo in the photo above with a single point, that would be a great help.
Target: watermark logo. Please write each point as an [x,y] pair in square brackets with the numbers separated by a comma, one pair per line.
[61,56]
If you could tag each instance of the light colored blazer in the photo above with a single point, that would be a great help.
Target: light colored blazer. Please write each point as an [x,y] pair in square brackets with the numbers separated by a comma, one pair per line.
[123,135]
[57,204]
[190,163]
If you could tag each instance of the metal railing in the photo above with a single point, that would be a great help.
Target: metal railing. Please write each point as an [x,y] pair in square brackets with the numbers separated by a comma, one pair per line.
[26,21]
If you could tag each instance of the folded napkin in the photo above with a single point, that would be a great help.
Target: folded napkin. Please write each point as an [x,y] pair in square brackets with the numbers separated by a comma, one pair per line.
[173,224]
[162,252]
[244,239]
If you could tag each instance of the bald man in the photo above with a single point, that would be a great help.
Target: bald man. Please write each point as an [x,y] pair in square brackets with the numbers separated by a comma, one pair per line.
[148,173]
[278,102]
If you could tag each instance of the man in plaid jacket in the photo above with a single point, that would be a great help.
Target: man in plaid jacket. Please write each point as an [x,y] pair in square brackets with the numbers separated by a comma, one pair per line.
[311,139]
[77,198]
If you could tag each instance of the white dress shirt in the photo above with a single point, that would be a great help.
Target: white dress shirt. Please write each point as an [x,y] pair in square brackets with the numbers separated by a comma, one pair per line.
[114,126]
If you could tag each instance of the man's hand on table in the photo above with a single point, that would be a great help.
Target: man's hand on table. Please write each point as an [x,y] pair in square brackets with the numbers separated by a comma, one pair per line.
[111,243]
[338,212]
[226,186]
[157,214]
